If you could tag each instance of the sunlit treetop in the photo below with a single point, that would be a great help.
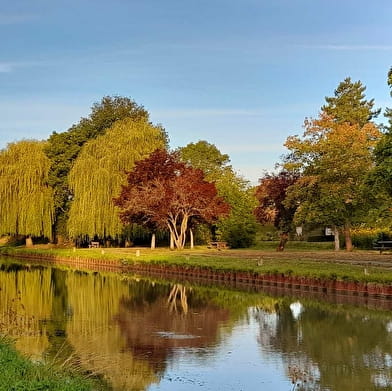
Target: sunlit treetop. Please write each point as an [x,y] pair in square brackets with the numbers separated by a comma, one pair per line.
[205,156]
[63,148]
[26,200]
[349,104]
[100,170]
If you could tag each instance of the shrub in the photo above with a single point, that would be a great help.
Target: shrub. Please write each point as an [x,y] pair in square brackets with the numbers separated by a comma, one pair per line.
[364,238]
[239,235]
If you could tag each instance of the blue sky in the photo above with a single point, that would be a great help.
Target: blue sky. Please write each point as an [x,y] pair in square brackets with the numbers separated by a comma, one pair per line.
[240,74]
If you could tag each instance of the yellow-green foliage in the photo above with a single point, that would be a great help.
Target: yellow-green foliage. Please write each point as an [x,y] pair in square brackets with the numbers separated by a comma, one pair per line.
[26,200]
[99,172]
[26,299]
[365,237]
[95,335]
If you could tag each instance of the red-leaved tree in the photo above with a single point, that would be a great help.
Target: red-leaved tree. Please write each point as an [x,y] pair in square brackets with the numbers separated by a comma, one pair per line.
[271,194]
[164,192]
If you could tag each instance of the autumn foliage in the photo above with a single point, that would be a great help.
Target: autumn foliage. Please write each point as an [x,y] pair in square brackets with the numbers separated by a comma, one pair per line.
[164,192]
[271,194]
[334,160]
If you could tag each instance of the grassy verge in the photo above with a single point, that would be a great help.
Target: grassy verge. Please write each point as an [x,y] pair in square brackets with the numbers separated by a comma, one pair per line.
[261,262]
[19,373]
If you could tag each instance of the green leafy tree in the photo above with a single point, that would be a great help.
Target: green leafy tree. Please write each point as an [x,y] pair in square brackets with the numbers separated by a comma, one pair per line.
[239,227]
[380,178]
[334,160]
[100,170]
[206,157]
[388,111]
[63,148]
[382,174]
[349,104]
[26,199]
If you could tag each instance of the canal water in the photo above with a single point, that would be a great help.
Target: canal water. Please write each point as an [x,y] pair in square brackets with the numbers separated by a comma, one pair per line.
[139,333]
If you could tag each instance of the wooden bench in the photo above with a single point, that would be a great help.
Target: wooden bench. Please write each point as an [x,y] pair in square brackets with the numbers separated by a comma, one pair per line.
[383,245]
[93,245]
[218,245]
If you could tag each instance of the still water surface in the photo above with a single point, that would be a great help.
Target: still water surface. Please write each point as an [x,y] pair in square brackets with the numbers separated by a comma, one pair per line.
[139,334]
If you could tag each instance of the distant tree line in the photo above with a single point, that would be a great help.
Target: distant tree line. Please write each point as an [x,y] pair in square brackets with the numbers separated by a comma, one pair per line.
[111,177]
[338,173]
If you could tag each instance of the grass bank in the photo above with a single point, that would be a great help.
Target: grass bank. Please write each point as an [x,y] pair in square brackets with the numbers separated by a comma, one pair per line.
[314,261]
[19,373]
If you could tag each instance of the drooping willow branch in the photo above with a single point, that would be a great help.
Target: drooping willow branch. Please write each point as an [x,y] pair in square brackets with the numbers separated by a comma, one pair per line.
[26,200]
[99,172]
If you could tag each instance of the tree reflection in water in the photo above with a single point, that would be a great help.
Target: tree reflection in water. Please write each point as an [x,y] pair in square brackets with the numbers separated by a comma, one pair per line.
[129,331]
[25,301]
[158,325]
[123,330]
[336,349]
[178,291]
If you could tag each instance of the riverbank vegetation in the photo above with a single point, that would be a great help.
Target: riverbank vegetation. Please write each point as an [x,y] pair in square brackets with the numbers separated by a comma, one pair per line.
[19,373]
[360,266]
[101,181]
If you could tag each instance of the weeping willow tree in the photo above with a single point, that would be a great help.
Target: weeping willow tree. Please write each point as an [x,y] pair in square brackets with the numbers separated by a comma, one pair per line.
[99,172]
[26,199]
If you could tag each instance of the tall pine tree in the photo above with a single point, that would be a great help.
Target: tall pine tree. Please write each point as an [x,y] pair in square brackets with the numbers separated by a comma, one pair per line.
[349,104]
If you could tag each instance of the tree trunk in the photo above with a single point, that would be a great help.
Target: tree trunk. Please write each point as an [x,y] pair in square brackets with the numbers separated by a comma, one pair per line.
[347,237]
[284,237]
[336,238]
[183,229]
[153,240]
[178,231]
[29,241]
[191,238]
[171,241]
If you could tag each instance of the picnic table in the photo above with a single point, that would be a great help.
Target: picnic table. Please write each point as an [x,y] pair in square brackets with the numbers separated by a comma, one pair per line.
[218,245]
[383,245]
[93,245]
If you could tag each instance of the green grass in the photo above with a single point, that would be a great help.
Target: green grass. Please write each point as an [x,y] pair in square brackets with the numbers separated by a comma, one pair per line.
[18,373]
[294,245]
[247,260]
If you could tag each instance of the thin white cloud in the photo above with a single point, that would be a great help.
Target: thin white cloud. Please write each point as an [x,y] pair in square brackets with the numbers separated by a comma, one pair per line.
[5,67]
[7,19]
[349,47]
